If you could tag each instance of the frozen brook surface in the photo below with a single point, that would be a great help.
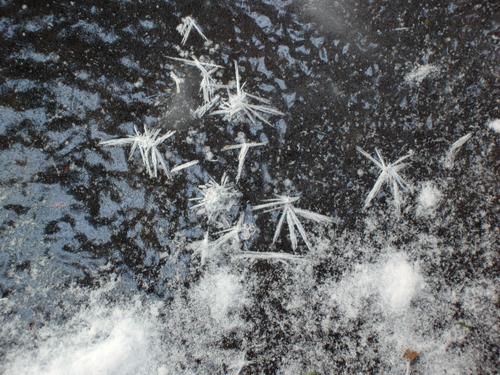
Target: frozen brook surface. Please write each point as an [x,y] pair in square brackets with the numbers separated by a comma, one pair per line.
[162,262]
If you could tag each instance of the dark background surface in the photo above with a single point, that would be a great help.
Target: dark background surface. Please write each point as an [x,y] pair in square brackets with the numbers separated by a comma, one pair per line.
[73,74]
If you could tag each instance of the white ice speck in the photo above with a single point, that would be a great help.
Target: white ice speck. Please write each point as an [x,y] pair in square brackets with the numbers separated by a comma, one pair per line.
[428,199]
[421,72]
[494,125]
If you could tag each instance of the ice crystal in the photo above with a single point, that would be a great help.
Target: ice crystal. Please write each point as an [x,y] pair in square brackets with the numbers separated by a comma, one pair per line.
[421,72]
[231,234]
[269,255]
[244,147]
[208,85]
[177,81]
[203,109]
[216,200]
[291,214]
[184,28]
[454,149]
[389,173]
[147,143]
[238,104]
[180,167]
[202,248]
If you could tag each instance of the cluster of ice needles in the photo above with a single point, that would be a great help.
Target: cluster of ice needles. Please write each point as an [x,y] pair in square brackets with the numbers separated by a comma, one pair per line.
[389,174]
[147,143]
[239,104]
[291,214]
[187,24]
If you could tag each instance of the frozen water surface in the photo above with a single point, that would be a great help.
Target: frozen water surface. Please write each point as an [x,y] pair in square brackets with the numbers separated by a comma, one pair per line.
[105,270]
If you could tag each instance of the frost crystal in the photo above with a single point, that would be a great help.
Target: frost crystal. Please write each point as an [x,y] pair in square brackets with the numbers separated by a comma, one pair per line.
[180,167]
[243,153]
[216,200]
[418,74]
[203,109]
[291,213]
[177,81]
[454,149]
[202,248]
[239,231]
[238,104]
[184,28]
[269,255]
[147,144]
[389,173]
[208,85]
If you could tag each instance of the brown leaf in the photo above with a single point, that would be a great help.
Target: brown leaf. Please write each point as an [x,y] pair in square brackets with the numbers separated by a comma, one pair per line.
[411,355]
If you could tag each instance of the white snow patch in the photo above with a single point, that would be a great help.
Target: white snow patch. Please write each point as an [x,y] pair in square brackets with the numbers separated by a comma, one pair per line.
[400,281]
[393,283]
[99,340]
[494,125]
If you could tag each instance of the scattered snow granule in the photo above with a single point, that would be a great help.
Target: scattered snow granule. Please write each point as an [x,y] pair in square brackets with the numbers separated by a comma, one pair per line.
[421,72]
[428,199]
[399,283]
[494,125]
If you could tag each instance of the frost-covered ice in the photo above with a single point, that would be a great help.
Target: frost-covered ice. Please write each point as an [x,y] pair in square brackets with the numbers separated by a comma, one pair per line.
[211,290]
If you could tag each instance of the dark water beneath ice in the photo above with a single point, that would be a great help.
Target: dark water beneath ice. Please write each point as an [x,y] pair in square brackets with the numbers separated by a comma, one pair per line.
[74,214]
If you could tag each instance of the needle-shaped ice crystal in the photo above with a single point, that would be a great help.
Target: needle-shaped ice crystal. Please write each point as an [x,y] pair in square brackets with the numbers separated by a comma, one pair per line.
[187,24]
[269,255]
[238,104]
[216,200]
[177,81]
[147,143]
[180,167]
[203,109]
[291,214]
[244,147]
[208,85]
[389,173]
[231,234]
[454,149]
